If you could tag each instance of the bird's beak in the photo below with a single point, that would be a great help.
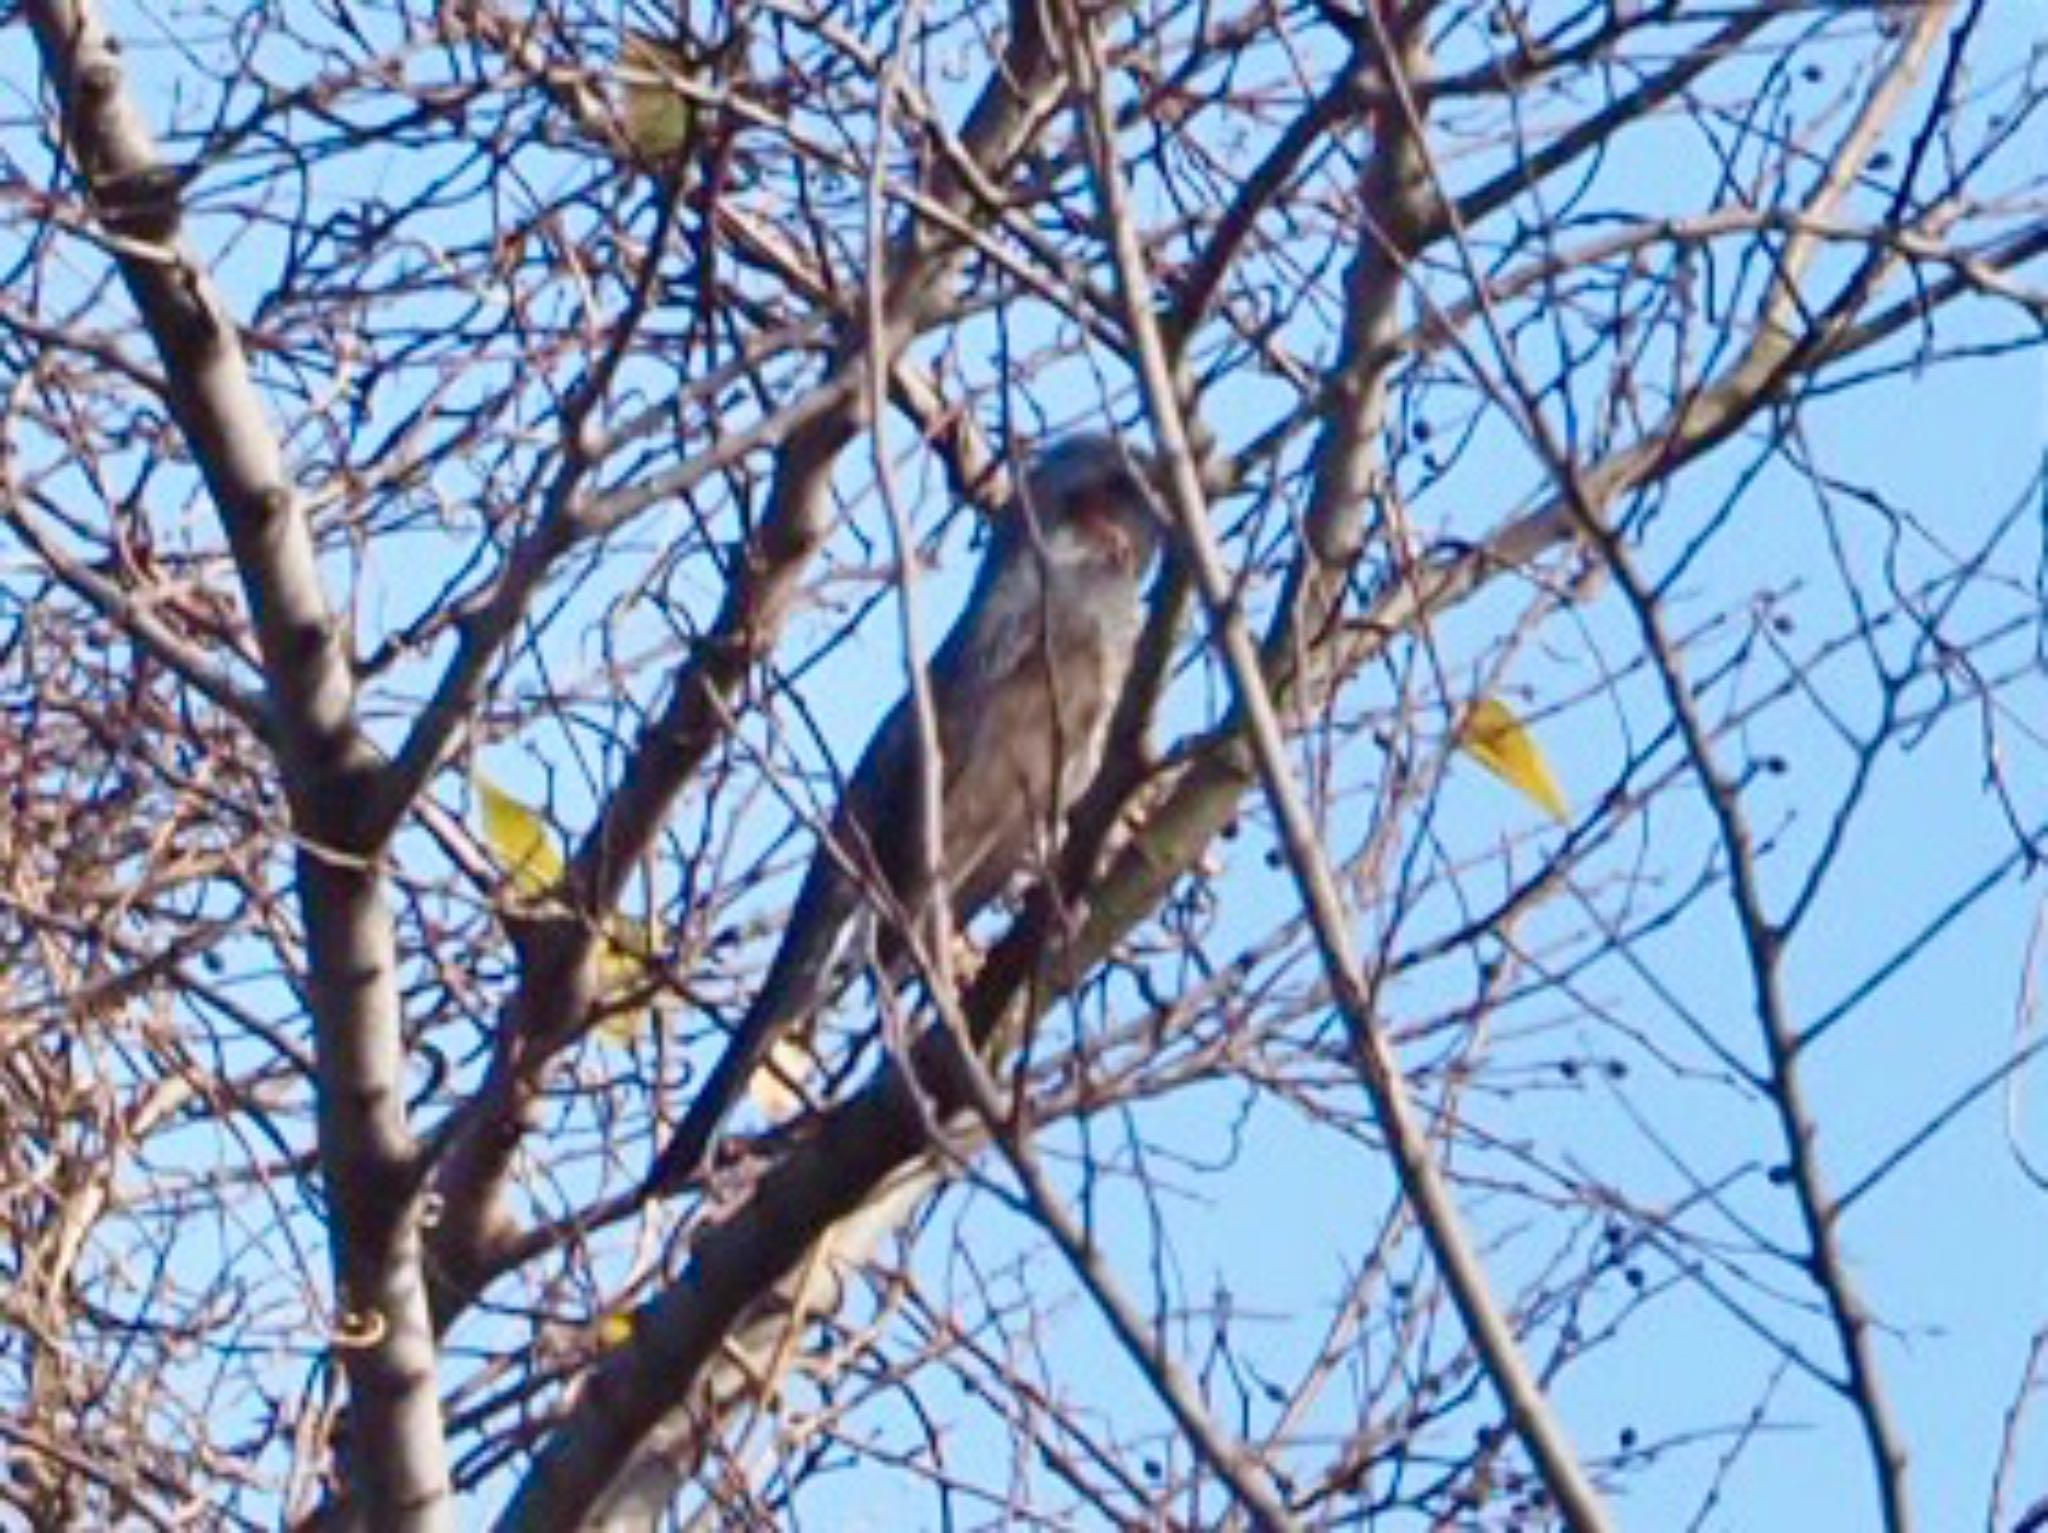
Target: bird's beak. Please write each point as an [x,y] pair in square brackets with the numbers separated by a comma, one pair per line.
[1124,550]
[1099,516]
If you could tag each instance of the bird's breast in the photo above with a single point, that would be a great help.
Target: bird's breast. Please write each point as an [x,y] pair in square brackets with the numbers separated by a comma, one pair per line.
[1051,726]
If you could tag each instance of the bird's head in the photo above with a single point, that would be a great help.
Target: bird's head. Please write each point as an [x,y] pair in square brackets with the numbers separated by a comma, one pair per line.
[1088,491]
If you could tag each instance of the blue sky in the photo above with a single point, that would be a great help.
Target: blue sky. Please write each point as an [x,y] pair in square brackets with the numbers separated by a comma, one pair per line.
[1949,1248]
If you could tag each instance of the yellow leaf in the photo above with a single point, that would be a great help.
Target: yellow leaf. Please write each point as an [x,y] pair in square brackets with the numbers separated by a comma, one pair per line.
[658,115]
[621,1028]
[520,840]
[777,1084]
[526,849]
[1499,741]
[620,962]
[625,953]
[615,1329]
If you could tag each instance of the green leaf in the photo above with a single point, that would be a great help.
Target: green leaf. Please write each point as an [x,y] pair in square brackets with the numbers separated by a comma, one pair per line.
[658,116]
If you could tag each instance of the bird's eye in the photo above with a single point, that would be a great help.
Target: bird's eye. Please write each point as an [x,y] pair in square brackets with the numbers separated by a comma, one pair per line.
[1097,500]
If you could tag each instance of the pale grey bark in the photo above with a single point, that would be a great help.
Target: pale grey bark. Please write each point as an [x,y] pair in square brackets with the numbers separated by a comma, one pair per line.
[397,1458]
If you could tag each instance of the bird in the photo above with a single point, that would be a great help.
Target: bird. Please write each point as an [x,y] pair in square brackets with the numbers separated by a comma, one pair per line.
[1022,689]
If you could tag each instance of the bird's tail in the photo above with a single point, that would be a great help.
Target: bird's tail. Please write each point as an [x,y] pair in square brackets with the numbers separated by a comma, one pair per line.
[823,926]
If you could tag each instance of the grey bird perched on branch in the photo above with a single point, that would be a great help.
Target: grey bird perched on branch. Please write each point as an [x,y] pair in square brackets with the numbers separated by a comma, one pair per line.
[1023,688]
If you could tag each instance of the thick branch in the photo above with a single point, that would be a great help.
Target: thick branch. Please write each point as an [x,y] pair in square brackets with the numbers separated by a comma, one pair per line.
[397,1460]
[759,601]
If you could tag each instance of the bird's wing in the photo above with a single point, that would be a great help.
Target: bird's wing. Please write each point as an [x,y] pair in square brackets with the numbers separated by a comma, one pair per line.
[1003,628]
